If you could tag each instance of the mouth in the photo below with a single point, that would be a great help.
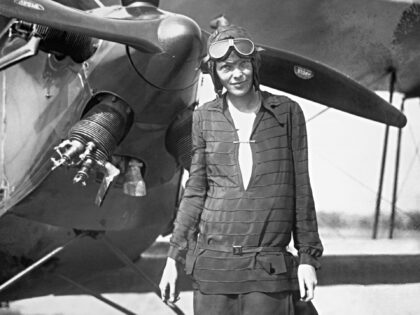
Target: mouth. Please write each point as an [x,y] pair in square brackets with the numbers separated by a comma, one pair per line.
[239,84]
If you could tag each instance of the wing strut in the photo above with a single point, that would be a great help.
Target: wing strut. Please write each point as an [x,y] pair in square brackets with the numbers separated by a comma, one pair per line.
[126,260]
[392,81]
[96,295]
[396,173]
[38,263]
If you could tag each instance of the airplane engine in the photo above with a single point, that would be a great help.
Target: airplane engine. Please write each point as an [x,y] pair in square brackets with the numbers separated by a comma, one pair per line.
[92,140]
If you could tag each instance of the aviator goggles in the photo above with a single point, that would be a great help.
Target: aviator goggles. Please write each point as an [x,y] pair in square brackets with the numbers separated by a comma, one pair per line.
[220,49]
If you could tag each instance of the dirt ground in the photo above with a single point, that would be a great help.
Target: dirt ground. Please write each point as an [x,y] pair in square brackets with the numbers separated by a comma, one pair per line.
[396,299]
[332,300]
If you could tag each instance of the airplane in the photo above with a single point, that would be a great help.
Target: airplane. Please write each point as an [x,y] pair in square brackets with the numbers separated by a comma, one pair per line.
[95,122]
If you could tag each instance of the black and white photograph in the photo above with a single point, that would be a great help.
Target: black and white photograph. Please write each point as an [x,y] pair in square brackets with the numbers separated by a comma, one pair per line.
[208,157]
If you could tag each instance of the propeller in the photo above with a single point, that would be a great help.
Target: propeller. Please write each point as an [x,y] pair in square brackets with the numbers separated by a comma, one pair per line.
[140,34]
[300,76]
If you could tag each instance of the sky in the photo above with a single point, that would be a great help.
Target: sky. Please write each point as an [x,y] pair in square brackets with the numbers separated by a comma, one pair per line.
[345,153]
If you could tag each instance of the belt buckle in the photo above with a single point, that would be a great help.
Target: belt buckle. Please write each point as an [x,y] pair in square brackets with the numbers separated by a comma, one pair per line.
[237,250]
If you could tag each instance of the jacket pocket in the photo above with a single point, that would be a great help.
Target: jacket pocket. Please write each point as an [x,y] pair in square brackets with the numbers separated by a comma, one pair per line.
[272,264]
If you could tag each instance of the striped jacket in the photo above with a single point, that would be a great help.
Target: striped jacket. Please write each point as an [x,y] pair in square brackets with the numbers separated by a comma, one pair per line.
[233,240]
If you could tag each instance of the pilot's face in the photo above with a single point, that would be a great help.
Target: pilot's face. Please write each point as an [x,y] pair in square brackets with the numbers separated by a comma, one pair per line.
[235,74]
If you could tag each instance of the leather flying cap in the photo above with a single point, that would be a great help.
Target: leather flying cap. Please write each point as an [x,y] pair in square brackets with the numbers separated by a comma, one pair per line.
[225,32]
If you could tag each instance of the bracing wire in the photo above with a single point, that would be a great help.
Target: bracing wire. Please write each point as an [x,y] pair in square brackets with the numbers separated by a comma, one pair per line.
[318,114]
[99,3]
[412,162]
[355,179]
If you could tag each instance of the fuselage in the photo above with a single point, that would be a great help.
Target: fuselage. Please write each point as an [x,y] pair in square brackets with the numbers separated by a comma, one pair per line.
[43,97]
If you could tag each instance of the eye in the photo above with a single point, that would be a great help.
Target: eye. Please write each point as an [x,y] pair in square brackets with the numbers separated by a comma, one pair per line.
[225,68]
[246,64]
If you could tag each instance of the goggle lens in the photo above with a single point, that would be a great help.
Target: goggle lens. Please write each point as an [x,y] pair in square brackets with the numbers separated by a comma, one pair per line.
[243,46]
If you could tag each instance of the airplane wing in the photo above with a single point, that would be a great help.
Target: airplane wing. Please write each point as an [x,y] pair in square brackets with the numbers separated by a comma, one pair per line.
[347,52]
[315,81]
[366,40]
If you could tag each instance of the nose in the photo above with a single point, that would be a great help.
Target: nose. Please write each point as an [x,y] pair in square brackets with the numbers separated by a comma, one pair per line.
[237,72]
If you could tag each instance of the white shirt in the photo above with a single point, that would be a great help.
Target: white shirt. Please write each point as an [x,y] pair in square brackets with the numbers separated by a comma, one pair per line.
[243,124]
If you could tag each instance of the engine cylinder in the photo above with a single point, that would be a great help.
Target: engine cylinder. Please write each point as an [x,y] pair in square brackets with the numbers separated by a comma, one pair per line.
[105,124]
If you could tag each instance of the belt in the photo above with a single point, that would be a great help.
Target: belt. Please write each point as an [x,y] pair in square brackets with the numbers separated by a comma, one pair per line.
[239,249]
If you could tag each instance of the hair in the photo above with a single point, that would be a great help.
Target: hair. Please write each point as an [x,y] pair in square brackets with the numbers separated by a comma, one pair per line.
[226,32]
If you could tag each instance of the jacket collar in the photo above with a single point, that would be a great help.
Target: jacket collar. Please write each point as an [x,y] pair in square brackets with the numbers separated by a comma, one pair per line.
[220,104]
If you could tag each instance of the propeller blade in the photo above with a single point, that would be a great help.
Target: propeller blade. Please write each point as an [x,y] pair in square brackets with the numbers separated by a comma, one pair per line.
[300,76]
[140,34]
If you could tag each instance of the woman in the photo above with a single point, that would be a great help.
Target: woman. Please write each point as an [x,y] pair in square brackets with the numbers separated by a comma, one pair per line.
[247,194]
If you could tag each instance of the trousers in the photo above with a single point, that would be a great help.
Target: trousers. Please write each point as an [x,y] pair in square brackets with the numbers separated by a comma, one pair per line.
[260,303]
